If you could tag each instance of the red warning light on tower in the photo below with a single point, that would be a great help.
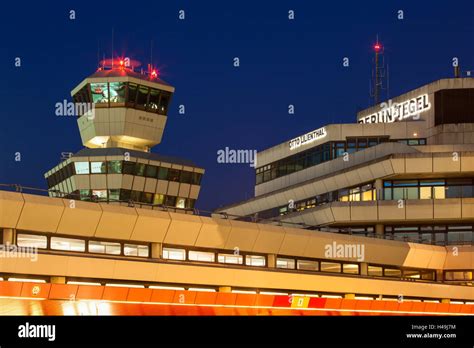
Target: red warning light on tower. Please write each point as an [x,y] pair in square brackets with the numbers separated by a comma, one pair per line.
[154,74]
[377,47]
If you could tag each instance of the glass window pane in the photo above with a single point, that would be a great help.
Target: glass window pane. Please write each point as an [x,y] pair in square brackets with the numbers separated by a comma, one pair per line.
[69,244]
[100,195]
[186,177]
[173,174]
[425,192]
[154,100]
[139,169]
[174,254]
[114,167]
[102,247]
[81,167]
[285,263]
[158,199]
[132,93]
[201,256]
[142,97]
[307,265]
[230,258]
[135,250]
[163,173]
[255,260]
[330,267]
[390,272]
[196,178]
[151,171]
[100,93]
[439,192]
[128,167]
[98,167]
[164,101]
[114,195]
[31,241]
[375,271]
[117,92]
[350,268]
[181,202]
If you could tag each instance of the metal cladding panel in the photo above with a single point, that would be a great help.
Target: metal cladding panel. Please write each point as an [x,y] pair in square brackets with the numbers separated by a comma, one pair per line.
[214,233]
[151,225]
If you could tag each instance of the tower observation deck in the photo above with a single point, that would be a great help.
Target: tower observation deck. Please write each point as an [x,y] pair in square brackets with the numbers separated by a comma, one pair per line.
[121,114]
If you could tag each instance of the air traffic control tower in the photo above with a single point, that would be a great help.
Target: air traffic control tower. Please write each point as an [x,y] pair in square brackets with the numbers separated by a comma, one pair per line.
[122,114]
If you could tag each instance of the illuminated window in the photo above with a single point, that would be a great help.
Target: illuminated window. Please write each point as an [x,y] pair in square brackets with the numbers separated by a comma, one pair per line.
[201,256]
[350,268]
[100,93]
[146,197]
[135,250]
[98,167]
[285,263]
[392,272]
[114,195]
[439,192]
[411,274]
[31,241]
[101,195]
[307,265]
[104,247]
[425,192]
[354,194]
[230,258]
[139,169]
[158,199]
[180,202]
[174,254]
[114,167]
[330,267]
[117,92]
[375,271]
[343,195]
[255,260]
[81,167]
[68,244]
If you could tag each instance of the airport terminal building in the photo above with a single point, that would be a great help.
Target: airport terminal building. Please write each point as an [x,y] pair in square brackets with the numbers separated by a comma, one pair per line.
[117,233]
[404,170]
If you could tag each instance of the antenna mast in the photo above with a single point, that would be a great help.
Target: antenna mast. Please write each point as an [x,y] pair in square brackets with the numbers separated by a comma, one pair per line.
[379,77]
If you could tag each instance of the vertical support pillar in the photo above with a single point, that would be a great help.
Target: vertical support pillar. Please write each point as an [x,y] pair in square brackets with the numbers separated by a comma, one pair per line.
[271,259]
[157,250]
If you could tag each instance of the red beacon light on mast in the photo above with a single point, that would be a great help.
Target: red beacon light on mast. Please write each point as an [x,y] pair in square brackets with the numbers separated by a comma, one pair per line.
[377,47]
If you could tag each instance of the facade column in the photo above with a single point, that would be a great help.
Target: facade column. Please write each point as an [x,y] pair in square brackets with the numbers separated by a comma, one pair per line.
[379,230]
[58,280]
[225,289]
[8,236]
[364,268]
[271,259]
[379,188]
[439,275]
[157,250]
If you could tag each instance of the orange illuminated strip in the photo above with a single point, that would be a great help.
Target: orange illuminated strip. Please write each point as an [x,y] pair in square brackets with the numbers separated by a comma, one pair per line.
[234,303]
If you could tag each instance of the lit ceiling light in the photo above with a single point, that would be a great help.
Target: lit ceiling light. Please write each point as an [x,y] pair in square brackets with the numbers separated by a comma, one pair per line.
[415,134]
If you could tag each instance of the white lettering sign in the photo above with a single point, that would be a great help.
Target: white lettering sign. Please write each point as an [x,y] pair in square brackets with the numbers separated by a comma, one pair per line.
[398,111]
[307,138]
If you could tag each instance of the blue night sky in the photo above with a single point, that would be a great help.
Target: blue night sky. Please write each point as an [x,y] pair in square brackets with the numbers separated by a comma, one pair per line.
[282,62]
